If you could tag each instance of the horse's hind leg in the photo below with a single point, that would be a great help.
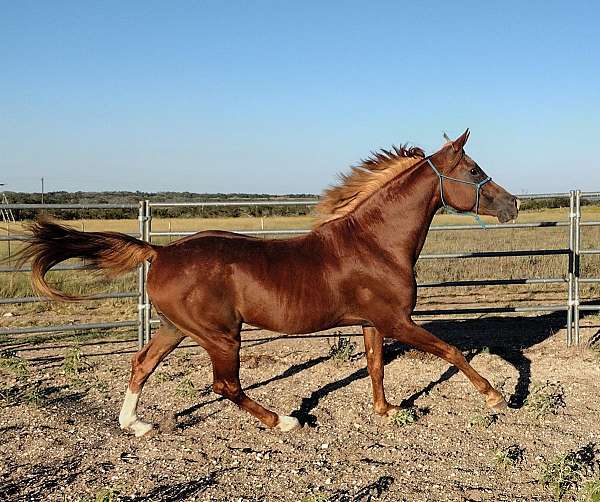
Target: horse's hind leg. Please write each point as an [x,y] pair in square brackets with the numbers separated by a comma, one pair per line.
[143,364]
[374,351]
[224,352]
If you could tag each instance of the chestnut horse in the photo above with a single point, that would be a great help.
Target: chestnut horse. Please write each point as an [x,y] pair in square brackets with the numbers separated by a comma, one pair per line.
[356,267]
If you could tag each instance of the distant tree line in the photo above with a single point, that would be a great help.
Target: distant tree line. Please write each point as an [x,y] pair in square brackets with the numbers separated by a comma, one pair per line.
[191,212]
[174,212]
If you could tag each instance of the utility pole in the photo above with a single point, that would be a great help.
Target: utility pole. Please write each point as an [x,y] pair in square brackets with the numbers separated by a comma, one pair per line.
[42,190]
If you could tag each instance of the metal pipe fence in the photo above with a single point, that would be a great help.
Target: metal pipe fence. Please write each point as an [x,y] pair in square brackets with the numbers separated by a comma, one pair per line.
[144,321]
[133,323]
[578,253]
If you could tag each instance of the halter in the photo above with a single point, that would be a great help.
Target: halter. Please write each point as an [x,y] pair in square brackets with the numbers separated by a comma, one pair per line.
[477,186]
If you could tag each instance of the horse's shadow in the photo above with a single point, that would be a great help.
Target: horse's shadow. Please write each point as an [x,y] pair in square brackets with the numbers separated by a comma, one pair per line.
[505,336]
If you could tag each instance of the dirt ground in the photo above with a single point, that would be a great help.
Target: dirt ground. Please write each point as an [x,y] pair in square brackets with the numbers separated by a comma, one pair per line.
[60,439]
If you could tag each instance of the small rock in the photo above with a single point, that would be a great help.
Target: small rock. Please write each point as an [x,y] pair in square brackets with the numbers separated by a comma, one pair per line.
[8,314]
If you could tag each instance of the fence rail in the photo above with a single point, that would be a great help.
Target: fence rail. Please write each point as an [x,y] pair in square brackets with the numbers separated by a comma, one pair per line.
[144,322]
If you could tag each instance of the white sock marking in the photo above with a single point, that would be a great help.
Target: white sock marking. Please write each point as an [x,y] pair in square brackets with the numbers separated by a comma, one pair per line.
[128,418]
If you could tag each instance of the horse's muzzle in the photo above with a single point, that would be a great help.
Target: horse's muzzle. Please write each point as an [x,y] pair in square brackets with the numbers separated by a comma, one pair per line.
[508,209]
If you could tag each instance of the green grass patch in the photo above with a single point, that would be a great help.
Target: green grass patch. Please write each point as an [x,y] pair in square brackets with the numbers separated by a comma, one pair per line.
[104,495]
[12,363]
[186,388]
[568,471]
[509,457]
[315,497]
[74,363]
[590,491]
[161,377]
[342,350]
[404,417]
[34,395]
[483,421]
[546,398]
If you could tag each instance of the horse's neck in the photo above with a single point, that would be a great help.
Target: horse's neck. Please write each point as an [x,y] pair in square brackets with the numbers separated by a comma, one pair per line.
[399,215]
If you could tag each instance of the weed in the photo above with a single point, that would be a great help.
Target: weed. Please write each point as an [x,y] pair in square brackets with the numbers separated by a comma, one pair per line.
[404,417]
[545,399]
[510,456]
[186,388]
[342,350]
[568,470]
[107,495]
[161,377]
[34,395]
[483,421]
[590,491]
[10,361]
[315,497]
[74,363]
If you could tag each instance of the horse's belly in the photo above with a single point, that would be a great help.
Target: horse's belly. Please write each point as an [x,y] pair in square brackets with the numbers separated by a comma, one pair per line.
[292,320]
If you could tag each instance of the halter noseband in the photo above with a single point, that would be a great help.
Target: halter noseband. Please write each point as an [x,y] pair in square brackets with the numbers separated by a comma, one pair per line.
[477,186]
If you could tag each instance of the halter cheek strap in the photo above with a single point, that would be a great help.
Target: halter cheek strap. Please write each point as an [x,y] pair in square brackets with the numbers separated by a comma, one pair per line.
[477,186]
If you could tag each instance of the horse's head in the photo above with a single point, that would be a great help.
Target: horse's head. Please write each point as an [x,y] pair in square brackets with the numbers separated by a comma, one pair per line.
[465,187]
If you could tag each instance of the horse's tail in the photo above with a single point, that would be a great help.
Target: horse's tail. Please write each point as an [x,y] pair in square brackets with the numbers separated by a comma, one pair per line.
[49,243]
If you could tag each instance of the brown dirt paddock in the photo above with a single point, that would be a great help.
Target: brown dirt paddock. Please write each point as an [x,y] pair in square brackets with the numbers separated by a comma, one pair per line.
[60,440]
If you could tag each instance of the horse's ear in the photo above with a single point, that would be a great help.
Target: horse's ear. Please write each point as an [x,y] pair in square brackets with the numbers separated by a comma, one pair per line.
[446,138]
[459,143]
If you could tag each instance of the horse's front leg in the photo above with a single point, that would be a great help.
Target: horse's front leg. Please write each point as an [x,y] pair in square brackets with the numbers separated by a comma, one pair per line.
[406,331]
[374,351]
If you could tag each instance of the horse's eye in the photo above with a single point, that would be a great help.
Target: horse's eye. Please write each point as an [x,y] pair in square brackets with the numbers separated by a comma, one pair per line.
[474,171]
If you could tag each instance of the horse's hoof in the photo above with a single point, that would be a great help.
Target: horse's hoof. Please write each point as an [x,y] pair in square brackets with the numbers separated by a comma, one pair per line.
[496,402]
[138,428]
[287,424]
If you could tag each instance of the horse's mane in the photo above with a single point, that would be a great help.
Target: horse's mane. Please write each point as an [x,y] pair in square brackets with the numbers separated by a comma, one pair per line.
[365,179]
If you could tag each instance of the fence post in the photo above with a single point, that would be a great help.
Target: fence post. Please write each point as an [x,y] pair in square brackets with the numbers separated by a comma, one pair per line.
[577,263]
[141,281]
[147,305]
[571,271]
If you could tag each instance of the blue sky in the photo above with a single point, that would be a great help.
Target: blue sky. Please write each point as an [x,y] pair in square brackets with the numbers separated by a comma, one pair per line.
[278,97]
